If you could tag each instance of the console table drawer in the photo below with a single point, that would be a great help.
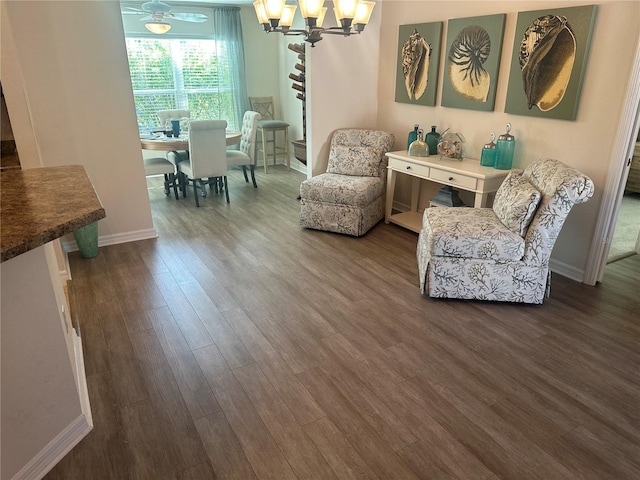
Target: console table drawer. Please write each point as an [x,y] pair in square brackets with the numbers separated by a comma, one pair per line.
[454,179]
[409,167]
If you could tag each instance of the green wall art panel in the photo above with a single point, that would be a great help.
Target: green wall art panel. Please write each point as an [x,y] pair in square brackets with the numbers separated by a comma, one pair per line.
[418,61]
[549,60]
[471,68]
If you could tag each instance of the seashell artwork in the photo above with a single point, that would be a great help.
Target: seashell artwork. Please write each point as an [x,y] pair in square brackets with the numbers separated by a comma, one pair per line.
[416,54]
[467,55]
[547,55]
[417,63]
[549,61]
[473,49]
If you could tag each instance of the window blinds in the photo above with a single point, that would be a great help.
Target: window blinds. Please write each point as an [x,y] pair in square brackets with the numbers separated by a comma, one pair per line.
[190,74]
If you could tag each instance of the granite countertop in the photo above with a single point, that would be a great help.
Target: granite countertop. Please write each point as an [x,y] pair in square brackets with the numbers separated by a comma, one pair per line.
[41,204]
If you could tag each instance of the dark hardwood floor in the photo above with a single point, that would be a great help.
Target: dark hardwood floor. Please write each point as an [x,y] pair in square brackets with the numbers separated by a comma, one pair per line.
[237,345]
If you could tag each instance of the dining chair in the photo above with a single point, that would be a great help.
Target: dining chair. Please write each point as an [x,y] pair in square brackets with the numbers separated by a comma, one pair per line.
[246,156]
[268,128]
[162,166]
[207,162]
[163,116]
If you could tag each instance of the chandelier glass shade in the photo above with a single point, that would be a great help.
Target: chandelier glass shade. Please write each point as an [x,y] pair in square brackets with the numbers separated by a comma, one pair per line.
[351,16]
[158,27]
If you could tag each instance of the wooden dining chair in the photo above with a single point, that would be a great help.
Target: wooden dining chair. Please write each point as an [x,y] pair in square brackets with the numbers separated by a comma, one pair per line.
[268,129]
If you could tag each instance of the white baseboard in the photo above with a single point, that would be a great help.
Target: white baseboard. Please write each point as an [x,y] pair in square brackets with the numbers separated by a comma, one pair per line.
[65,275]
[400,207]
[57,448]
[83,389]
[565,270]
[69,245]
[299,168]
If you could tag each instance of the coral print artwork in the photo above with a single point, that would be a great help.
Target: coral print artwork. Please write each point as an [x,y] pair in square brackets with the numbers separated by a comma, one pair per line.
[548,64]
[473,57]
[418,60]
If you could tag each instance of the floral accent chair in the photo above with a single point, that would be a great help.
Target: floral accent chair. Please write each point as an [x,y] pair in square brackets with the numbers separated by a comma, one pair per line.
[501,253]
[350,197]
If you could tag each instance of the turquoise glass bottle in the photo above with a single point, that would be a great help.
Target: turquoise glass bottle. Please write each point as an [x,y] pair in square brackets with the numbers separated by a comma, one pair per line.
[432,139]
[504,150]
[413,135]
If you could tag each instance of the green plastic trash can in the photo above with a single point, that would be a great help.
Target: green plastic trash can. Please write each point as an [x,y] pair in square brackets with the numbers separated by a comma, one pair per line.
[87,240]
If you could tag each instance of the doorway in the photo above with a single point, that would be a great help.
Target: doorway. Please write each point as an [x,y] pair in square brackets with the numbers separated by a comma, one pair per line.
[621,156]
[625,241]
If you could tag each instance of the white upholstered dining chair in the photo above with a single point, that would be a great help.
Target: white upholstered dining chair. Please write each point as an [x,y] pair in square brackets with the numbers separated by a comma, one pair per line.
[161,166]
[246,156]
[163,116]
[207,162]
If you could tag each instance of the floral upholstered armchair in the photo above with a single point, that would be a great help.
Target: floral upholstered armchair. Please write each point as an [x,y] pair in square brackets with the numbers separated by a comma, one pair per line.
[350,197]
[501,253]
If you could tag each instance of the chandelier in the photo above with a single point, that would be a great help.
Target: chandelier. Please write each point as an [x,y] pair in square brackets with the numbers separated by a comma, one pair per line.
[351,16]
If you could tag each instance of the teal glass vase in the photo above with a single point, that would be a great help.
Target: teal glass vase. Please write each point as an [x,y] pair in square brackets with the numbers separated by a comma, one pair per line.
[488,156]
[504,150]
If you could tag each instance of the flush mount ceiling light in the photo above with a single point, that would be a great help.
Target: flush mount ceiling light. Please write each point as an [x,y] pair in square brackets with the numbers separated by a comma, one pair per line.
[351,16]
[158,27]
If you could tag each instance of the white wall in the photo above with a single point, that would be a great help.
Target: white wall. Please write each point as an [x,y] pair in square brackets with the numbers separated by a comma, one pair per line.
[585,143]
[71,74]
[268,64]
[342,86]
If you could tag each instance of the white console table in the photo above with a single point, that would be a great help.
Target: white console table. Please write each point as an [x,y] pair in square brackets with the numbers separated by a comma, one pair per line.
[467,174]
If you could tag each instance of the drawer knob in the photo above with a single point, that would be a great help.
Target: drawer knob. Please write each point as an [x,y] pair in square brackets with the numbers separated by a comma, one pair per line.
[451,179]
[408,167]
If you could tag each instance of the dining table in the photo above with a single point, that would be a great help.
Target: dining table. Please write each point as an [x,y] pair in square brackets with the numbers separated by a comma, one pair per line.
[173,144]
[160,142]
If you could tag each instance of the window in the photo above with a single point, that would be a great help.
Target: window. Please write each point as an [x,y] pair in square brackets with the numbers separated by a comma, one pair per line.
[188,74]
